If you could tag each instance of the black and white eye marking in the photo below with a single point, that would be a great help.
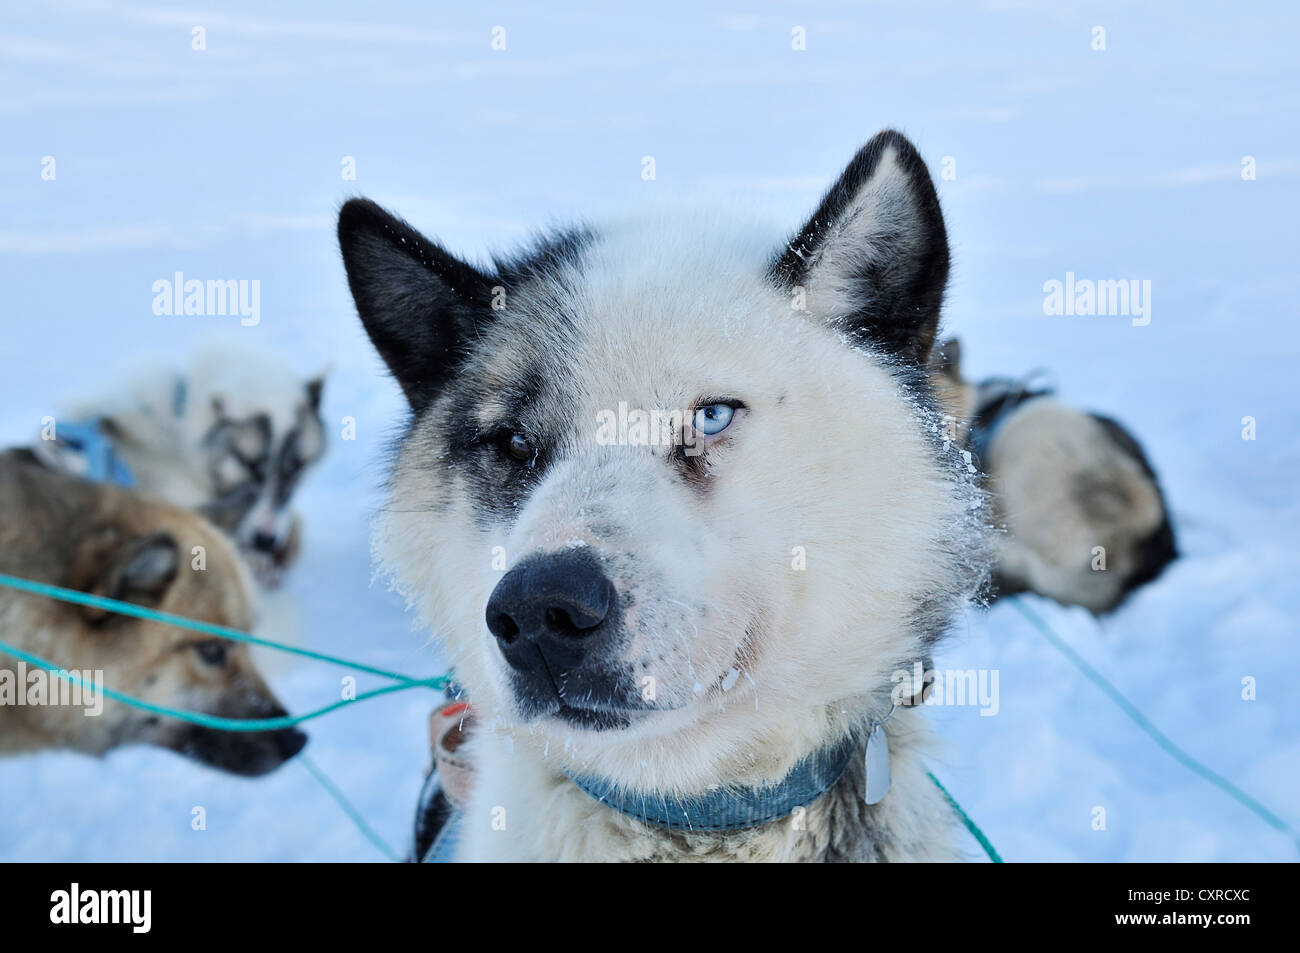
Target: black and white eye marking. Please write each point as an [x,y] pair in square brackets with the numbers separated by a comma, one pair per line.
[212,652]
[513,444]
[241,450]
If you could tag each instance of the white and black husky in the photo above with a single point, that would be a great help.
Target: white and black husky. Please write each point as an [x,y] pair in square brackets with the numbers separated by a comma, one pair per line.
[1082,516]
[231,437]
[675,498]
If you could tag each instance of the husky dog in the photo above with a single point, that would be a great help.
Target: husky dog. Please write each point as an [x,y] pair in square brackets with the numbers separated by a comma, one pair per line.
[955,396]
[678,649]
[102,539]
[1084,517]
[233,438]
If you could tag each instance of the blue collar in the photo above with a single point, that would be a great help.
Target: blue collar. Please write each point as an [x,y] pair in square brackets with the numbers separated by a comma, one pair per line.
[729,808]
[101,463]
[998,399]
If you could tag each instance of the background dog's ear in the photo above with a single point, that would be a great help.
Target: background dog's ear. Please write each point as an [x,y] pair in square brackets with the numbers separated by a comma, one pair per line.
[873,258]
[314,388]
[419,303]
[135,569]
[946,359]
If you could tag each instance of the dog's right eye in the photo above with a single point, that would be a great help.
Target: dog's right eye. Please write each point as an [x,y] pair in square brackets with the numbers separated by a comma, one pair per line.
[519,447]
[214,653]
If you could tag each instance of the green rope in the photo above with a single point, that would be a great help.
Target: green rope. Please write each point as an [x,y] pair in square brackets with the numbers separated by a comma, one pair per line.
[194,717]
[353,814]
[1177,753]
[207,628]
[405,682]
[213,721]
[965,819]
[275,724]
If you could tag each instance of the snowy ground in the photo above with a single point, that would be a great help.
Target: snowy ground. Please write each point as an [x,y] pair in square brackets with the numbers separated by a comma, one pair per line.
[1122,163]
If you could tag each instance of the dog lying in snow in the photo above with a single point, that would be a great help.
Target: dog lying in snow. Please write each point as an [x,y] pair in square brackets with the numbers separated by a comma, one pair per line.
[682,635]
[113,542]
[232,438]
[1084,517]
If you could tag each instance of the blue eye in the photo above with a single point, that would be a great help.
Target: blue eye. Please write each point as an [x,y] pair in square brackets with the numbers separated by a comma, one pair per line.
[712,419]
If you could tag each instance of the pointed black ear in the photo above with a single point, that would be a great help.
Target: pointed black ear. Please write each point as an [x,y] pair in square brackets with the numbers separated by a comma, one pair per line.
[315,387]
[419,304]
[873,259]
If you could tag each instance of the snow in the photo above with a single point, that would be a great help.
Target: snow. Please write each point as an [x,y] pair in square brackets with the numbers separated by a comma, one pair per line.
[1124,163]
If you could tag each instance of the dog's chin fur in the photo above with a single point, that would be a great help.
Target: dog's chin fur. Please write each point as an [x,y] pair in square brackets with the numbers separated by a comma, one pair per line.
[767,593]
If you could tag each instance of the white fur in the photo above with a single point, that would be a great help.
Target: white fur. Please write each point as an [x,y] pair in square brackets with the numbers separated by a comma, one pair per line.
[831,455]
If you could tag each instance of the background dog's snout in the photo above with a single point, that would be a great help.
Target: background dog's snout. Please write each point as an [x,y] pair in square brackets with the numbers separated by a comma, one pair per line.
[263,541]
[554,603]
[290,741]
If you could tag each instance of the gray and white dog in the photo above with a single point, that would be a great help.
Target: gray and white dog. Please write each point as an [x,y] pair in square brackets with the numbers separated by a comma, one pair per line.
[677,500]
[231,437]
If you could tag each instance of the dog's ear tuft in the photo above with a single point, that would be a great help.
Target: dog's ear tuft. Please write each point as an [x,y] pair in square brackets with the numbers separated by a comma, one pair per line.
[137,569]
[145,568]
[315,387]
[873,258]
[420,304]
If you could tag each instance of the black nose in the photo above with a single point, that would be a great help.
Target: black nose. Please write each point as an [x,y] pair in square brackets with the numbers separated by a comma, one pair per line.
[264,542]
[551,609]
[290,741]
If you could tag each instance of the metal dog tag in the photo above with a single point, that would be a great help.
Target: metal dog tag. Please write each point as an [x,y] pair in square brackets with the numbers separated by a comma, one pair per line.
[877,765]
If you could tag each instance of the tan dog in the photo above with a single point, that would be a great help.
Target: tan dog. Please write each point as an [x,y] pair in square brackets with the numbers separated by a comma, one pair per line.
[113,542]
[1083,515]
